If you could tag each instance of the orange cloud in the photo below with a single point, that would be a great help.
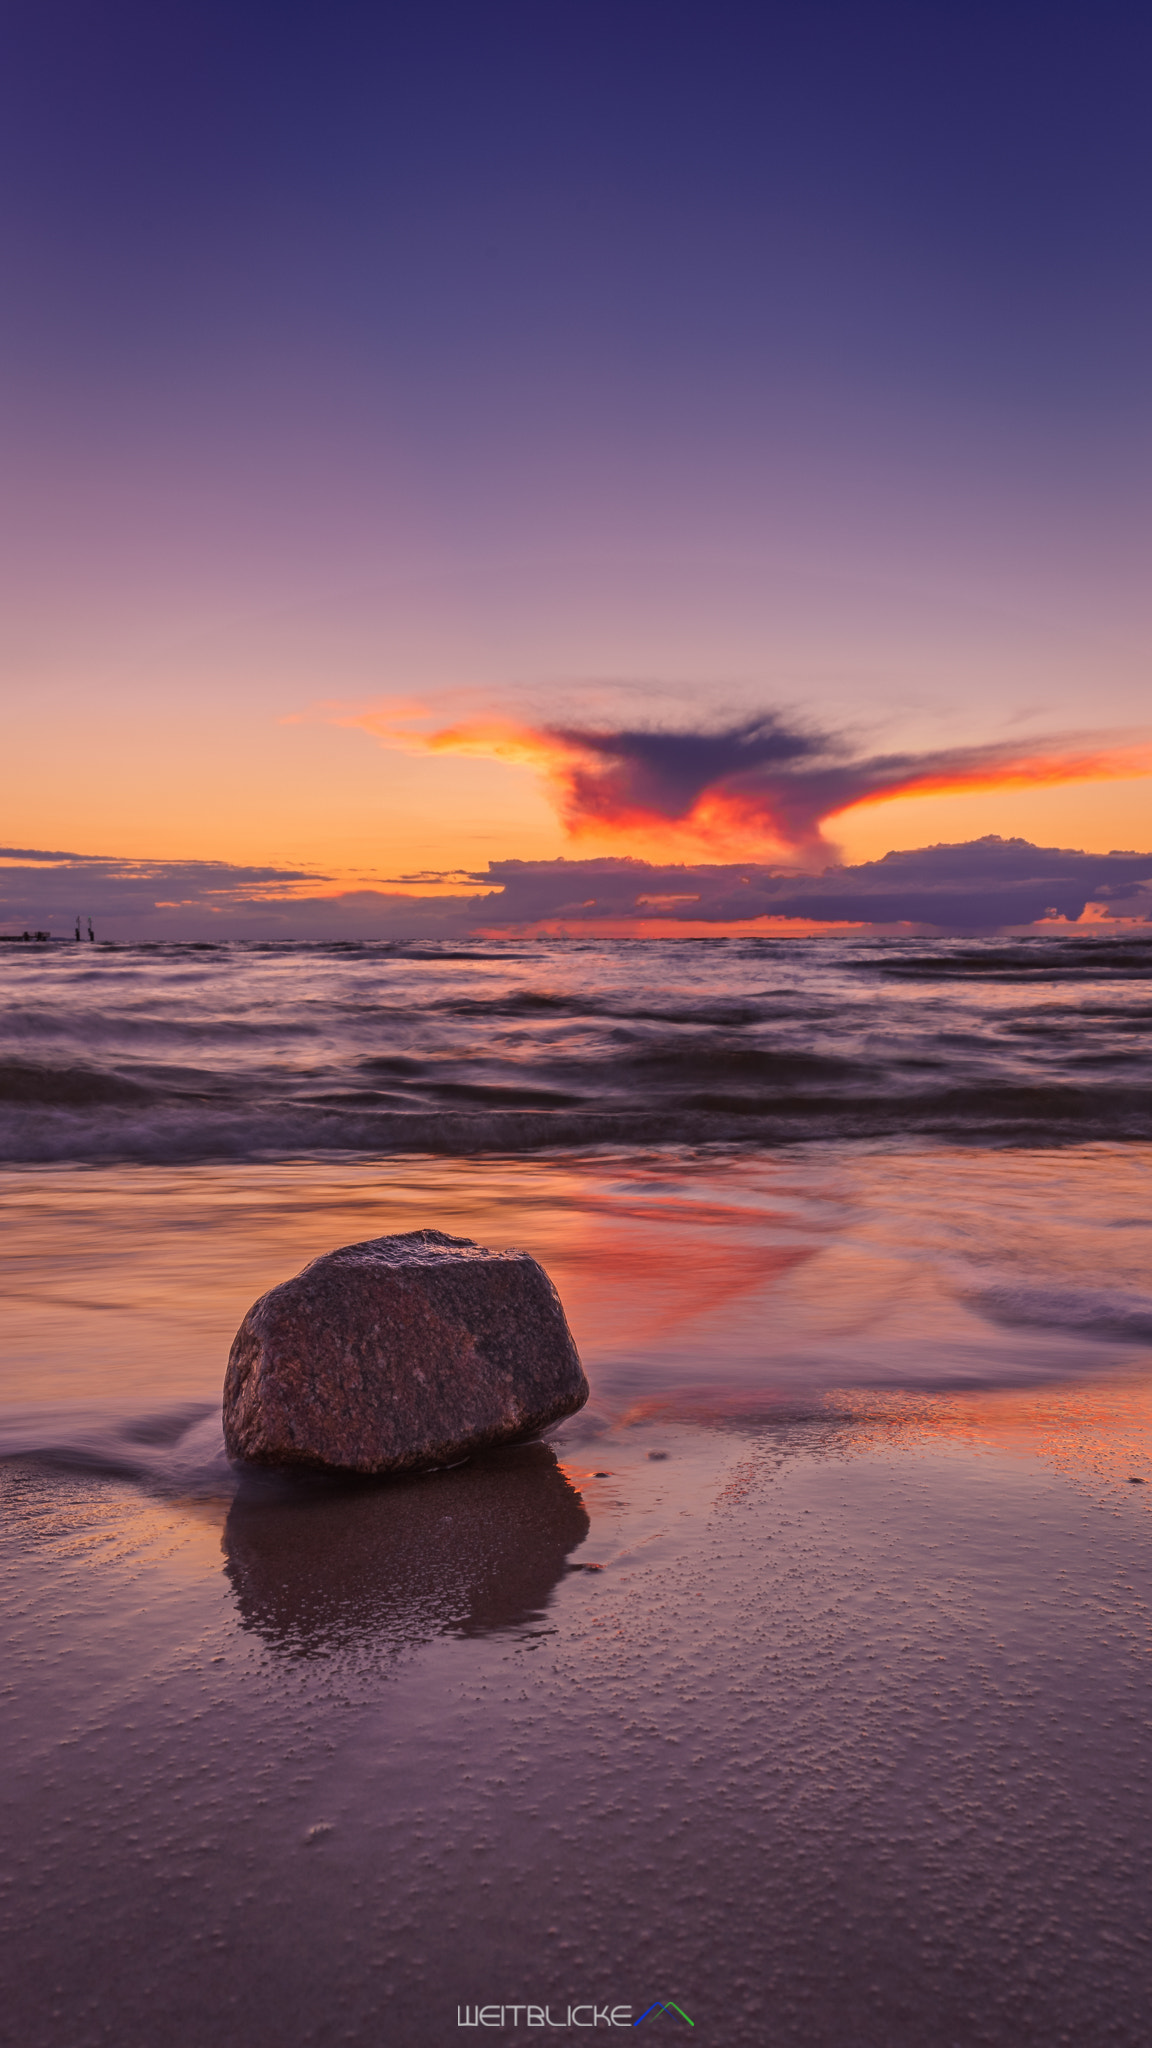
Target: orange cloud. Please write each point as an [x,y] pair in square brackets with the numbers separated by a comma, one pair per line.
[983,768]
[765,786]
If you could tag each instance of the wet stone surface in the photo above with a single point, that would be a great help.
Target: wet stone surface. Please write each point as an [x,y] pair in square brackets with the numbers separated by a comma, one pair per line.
[398,1354]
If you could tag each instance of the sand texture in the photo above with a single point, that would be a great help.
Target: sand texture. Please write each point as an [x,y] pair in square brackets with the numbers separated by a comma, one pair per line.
[817,1705]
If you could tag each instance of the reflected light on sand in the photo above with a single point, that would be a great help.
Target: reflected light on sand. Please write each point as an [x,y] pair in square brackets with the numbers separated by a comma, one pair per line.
[1099,1433]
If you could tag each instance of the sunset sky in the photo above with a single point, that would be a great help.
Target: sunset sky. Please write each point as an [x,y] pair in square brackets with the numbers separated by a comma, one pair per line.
[449,435]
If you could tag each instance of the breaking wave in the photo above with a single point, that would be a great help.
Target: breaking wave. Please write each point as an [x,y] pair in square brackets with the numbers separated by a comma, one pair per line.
[185,1053]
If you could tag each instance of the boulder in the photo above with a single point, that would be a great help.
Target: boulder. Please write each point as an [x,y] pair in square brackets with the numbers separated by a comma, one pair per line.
[401,1353]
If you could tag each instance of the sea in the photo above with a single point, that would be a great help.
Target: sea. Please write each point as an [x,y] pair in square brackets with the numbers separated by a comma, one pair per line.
[799,1689]
[165,1054]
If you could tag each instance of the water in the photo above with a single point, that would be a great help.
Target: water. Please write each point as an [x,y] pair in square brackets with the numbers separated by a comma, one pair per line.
[802,1678]
[165,1053]
[758,1170]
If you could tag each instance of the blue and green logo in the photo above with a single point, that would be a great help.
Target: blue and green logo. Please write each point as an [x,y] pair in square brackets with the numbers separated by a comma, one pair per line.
[665,2005]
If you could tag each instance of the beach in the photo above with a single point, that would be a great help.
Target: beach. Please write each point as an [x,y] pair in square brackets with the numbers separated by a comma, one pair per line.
[576,624]
[798,1685]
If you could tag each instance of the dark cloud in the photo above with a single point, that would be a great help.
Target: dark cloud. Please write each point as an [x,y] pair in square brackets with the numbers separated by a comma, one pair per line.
[766,783]
[982,885]
[653,774]
[136,899]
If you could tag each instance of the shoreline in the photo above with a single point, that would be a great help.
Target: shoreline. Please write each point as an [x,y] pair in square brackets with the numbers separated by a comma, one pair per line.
[799,1680]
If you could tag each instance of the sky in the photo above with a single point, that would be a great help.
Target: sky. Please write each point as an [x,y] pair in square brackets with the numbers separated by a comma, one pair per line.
[441,441]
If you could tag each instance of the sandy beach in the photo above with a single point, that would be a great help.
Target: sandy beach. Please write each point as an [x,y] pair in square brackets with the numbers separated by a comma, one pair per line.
[820,1711]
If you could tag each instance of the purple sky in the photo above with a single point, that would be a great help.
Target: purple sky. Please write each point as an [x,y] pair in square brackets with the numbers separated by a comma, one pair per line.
[643,368]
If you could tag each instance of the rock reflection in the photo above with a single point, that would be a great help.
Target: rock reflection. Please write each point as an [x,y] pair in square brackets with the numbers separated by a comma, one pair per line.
[320,1570]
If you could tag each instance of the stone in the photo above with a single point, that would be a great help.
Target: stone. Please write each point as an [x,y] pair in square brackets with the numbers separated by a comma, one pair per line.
[400,1354]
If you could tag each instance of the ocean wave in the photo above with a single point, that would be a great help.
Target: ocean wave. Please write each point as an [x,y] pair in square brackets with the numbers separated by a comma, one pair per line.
[71,1087]
[265,1051]
[1006,1115]
[1031,960]
[1124,1318]
[178,1449]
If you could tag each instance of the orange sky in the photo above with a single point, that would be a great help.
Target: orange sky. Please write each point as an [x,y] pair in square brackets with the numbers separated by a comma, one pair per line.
[1085,791]
[365,799]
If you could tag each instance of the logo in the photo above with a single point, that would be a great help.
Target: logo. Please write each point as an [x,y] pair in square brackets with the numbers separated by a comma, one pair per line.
[541,2016]
[570,2016]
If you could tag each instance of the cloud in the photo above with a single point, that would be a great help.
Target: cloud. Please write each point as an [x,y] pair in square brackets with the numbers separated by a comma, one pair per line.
[766,784]
[203,900]
[983,885]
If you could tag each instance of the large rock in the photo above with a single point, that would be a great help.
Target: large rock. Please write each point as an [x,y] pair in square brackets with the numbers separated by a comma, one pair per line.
[400,1353]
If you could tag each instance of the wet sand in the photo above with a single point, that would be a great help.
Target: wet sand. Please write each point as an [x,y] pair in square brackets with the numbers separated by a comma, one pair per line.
[821,1709]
